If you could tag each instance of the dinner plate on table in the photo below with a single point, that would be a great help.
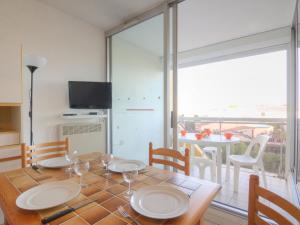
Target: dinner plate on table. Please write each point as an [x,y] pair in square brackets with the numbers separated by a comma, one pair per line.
[120,166]
[57,162]
[48,195]
[160,202]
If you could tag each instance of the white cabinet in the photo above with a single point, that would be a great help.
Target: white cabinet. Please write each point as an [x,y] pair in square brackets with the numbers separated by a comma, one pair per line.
[10,72]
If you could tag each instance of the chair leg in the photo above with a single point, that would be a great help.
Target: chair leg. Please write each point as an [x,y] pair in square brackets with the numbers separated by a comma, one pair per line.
[200,222]
[201,171]
[213,171]
[255,168]
[263,174]
[228,171]
[236,177]
[227,163]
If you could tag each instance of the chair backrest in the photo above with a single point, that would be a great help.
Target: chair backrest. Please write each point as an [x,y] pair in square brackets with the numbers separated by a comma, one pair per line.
[35,153]
[262,140]
[170,153]
[256,208]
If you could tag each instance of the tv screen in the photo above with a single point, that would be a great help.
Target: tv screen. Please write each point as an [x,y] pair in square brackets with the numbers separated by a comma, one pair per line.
[89,95]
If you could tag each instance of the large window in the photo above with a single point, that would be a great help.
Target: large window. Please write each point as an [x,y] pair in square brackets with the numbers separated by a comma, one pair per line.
[247,97]
[248,87]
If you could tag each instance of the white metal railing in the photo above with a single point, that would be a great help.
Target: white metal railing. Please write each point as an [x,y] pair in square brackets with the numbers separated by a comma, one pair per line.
[281,121]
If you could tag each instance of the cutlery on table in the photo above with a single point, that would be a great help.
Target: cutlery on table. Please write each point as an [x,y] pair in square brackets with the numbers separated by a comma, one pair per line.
[36,169]
[143,171]
[125,214]
[61,213]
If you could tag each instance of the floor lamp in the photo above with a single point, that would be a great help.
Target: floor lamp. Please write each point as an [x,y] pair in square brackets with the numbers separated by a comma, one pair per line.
[33,62]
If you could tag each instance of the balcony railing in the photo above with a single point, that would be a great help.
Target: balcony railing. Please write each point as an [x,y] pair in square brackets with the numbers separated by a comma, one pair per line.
[246,129]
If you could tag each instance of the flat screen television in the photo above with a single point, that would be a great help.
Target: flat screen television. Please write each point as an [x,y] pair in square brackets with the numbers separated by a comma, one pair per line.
[90,95]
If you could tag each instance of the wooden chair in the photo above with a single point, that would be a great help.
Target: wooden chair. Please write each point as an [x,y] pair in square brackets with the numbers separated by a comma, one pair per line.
[255,206]
[170,153]
[35,153]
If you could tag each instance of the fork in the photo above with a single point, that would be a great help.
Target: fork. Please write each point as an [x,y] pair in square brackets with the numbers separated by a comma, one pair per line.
[36,169]
[125,214]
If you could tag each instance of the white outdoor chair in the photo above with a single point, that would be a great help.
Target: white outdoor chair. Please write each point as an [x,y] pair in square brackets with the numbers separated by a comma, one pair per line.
[203,161]
[247,160]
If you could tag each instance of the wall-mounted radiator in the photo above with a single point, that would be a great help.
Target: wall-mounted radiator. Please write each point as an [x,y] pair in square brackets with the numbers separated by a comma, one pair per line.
[84,137]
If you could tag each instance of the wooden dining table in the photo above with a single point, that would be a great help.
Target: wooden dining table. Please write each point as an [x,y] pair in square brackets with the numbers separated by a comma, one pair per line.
[106,193]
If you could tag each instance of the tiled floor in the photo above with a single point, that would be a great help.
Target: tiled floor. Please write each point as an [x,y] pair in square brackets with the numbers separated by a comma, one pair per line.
[240,199]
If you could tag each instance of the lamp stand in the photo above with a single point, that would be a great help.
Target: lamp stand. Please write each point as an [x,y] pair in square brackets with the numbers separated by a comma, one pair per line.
[32,69]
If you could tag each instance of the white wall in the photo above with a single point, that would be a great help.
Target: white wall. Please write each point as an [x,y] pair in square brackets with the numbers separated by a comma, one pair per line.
[75,51]
[137,76]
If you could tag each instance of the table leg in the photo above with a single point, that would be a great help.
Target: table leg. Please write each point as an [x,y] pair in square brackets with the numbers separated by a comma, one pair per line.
[200,222]
[219,165]
[227,162]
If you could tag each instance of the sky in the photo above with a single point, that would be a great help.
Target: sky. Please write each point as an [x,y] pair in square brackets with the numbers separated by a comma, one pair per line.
[253,86]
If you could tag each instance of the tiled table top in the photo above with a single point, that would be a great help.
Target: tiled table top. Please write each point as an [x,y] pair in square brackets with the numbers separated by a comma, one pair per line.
[107,193]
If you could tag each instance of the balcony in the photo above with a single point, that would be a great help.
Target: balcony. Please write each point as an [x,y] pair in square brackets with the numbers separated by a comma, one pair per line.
[274,158]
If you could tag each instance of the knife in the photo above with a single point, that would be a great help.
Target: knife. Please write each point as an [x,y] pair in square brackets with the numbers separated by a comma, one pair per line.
[59,214]
[36,169]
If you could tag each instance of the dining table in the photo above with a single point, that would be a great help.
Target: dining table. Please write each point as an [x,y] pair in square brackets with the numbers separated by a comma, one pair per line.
[106,194]
[216,140]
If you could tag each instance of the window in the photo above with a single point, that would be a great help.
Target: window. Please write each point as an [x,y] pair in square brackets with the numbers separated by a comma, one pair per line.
[244,96]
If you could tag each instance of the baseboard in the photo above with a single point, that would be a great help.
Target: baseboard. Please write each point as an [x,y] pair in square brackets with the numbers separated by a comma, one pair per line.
[219,215]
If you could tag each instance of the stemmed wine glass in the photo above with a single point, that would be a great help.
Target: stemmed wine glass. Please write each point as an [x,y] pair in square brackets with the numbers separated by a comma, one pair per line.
[106,159]
[72,158]
[81,168]
[129,176]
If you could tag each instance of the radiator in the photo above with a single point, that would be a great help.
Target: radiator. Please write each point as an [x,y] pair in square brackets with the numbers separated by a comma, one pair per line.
[84,137]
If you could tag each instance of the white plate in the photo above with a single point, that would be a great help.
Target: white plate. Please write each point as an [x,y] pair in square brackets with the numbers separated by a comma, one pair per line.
[160,202]
[57,162]
[48,195]
[120,166]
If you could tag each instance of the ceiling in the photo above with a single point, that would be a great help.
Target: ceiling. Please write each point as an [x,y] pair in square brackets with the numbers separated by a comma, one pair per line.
[205,22]
[104,14]
[200,22]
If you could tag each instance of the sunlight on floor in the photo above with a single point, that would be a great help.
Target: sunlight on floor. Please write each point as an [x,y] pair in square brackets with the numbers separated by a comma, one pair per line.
[240,199]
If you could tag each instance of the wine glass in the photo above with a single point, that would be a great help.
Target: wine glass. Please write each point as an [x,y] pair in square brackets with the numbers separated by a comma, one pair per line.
[71,158]
[129,176]
[106,159]
[81,168]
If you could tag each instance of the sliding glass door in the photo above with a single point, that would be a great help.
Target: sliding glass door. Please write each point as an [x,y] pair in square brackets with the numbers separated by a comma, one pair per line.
[233,80]
[214,69]
[137,75]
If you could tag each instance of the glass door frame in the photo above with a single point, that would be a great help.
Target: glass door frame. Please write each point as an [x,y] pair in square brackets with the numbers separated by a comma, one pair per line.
[295,67]
[163,9]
